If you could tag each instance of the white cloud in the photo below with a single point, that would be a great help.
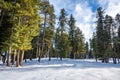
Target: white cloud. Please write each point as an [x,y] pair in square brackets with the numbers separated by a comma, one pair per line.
[84,16]
[59,4]
[112,7]
[103,3]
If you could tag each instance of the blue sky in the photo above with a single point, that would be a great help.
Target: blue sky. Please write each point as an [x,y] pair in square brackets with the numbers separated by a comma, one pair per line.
[84,12]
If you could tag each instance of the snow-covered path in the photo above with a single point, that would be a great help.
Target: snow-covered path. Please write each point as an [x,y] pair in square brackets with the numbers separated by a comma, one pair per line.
[62,70]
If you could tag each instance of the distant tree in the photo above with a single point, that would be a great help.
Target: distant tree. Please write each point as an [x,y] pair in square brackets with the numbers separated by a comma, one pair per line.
[117,19]
[62,30]
[72,28]
[80,49]
[107,37]
[50,31]
[94,46]
[45,39]
[100,33]
[87,49]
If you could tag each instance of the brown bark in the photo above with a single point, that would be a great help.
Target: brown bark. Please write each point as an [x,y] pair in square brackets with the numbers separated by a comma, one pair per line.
[21,58]
[39,57]
[13,57]
[37,51]
[8,56]
[18,56]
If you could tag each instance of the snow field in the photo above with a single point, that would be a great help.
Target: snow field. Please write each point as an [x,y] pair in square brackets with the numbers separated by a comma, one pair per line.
[67,69]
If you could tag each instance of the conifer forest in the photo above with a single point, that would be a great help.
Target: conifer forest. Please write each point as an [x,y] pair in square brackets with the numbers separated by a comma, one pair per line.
[32,30]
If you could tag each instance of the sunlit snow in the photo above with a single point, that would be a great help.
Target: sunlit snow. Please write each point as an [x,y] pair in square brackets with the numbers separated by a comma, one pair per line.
[79,69]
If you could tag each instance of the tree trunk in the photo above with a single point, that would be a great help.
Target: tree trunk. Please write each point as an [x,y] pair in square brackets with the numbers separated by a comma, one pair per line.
[72,54]
[1,17]
[103,60]
[18,56]
[8,56]
[61,56]
[42,47]
[114,60]
[32,51]
[118,60]
[49,52]
[25,57]
[13,58]
[96,59]
[39,54]
[21,57]
[114,57]
[0,55]
[57,54]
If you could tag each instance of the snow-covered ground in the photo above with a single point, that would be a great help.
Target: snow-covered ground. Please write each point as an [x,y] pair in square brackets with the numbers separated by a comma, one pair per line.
[62,70]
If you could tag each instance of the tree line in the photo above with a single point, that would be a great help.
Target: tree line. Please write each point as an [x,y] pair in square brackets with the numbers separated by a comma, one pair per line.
[105,43]
[27,31]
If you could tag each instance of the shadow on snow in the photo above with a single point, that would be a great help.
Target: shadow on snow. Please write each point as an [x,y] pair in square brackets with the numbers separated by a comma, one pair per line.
[57,64]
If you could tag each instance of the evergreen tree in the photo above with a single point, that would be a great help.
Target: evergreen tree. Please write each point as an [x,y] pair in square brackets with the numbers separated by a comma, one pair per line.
[62,31]
[94,46]
[80,49]
[47,31]
[18,20]
[100,33]
[87,50]
[6,26]
[107,37]
[64,48]
[26,20]
[4,6]
[50,31]
[72,28]
[117,19]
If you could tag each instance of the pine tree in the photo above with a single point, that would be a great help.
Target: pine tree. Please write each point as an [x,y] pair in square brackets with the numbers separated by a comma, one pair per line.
[64,48]
[107,37]
[62,31]
[47,32]
[117,19]
[4,5]
[87,49]
[26,20]
[56,39]
[100,33]
[6,26]
[80,49]
[118,45]
[91,55]
[72,28]
[94,46]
